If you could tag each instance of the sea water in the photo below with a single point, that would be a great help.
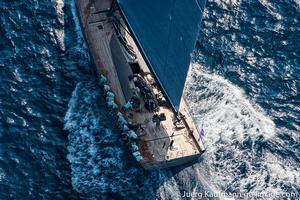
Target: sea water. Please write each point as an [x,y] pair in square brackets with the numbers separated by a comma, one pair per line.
[58,140]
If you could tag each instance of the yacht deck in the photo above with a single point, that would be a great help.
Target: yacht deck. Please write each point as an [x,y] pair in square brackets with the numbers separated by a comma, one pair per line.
[158,145]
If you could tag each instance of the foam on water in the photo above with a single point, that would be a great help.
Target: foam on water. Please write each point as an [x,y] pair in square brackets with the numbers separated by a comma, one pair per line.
[80,37]
[83,125]
[223,110]
[236,132]
[59,32]
[239,135]
[100,163]
[236,129]
[169,188]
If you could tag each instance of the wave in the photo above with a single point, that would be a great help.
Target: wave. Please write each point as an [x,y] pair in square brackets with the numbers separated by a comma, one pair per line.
[236,160]
[223,110]
[101,165]
[60,32]
[80,37]
[238,133]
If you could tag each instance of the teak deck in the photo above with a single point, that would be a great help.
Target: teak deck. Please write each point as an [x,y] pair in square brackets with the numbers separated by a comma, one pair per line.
[154,142]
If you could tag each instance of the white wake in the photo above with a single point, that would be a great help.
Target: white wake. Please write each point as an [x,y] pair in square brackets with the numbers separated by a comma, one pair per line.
[223,110]
[237,131]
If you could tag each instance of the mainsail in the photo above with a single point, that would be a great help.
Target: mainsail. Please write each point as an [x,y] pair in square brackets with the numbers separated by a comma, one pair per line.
[166,31]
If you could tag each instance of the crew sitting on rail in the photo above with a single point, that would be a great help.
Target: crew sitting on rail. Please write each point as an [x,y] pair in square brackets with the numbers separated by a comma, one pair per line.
[132,135]
[128,106]
[103,79]
[106,88]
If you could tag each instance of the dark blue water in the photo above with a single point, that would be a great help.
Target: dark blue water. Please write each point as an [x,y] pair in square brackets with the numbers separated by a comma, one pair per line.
[57,140]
